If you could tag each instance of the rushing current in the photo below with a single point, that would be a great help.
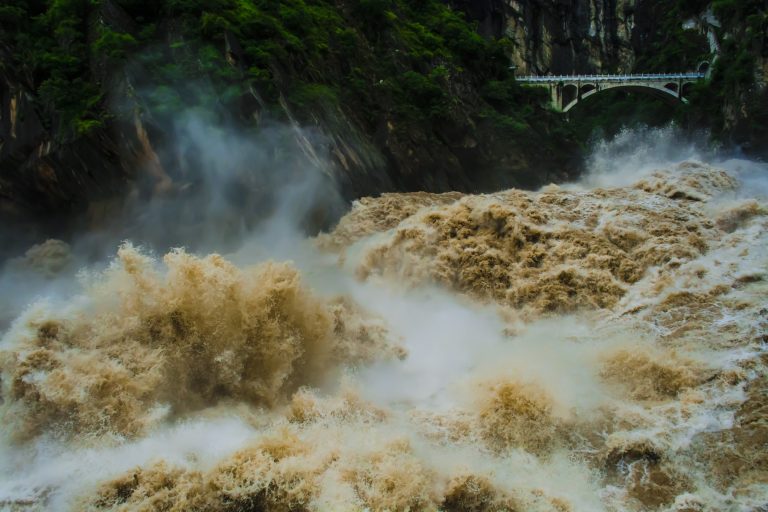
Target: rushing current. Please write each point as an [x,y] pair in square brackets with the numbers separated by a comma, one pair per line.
[595,346]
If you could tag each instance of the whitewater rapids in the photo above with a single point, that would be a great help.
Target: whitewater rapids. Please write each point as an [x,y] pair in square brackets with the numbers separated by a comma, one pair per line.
[578,348]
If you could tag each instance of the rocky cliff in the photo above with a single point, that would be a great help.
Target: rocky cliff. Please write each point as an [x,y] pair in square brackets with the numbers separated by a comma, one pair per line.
[571,37]
[380,95]
[577,36]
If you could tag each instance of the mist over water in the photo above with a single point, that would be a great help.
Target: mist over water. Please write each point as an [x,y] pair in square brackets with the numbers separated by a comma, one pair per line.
[211,187]
[599,345]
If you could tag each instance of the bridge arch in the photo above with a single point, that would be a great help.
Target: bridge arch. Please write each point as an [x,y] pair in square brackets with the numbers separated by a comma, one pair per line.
[670,96]
[672,86]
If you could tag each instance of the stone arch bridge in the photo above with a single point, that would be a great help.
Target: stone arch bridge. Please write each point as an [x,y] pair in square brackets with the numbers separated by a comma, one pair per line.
[567,91]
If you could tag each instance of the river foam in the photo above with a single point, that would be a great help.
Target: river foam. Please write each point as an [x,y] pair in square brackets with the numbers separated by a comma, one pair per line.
[597,346]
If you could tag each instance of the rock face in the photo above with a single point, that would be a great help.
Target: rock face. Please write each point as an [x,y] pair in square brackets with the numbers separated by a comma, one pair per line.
[48,177]
[561,36]
[42,180]
[576,36]
[49,186]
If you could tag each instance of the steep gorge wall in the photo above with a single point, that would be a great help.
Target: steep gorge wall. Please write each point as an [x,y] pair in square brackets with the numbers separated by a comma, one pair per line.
[562,36]
[603,36]
[409,98]
[571,37]
[399,106]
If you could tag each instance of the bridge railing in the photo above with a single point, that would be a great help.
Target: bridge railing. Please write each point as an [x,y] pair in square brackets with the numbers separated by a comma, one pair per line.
[610,78]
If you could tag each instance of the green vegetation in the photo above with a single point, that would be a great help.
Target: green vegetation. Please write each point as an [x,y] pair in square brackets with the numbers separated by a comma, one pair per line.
[670,47]
[745,24]
[396,58]
[417,63]
[49,45]
[514,108]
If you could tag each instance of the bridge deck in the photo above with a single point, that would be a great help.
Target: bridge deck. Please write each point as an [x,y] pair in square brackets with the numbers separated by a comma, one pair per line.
[649,77]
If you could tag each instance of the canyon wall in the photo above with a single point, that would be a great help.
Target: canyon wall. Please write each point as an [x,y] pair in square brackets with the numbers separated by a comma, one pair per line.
[407,98]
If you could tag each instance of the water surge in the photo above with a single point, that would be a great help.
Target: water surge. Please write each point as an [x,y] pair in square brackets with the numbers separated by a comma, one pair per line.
[593,346]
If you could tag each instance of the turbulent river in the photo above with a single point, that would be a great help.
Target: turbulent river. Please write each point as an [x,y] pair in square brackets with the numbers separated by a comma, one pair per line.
[592,346]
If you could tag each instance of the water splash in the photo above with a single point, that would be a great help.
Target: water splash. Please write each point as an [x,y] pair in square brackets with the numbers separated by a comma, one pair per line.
[575,348]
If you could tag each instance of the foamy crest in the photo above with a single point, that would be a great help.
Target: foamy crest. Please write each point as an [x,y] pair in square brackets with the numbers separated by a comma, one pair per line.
[569,349]
[199,333]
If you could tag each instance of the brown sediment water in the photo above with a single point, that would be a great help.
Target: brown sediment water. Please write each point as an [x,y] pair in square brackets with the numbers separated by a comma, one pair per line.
[561,350]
